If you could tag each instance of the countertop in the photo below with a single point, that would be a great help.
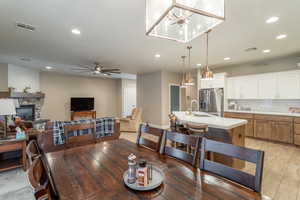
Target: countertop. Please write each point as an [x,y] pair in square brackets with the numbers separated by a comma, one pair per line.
[265,113]
[211,120]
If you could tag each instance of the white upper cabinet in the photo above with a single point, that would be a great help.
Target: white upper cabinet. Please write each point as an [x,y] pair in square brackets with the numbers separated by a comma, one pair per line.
[280,85]
[243,87]
[288,84]
[247,87]
[231,88]
[217,82]
[267,86]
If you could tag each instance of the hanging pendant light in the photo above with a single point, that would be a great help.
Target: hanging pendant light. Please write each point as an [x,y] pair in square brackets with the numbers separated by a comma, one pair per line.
[206,73]
[189,81]
[183,73]
[182,20]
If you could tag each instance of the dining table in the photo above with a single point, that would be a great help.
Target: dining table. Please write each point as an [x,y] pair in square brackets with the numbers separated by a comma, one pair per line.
[95,171]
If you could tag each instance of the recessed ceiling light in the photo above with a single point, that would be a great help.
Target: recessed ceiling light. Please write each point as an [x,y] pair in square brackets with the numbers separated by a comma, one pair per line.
[76,31]
[266,51]
[180,32]
[272,20]
[227,58]
[96,72]
[282,36]
[199,64]
[48,67]
[298,64]
[157,55]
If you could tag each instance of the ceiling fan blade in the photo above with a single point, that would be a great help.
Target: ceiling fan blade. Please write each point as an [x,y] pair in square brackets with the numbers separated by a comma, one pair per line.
[114,72]
[108,70]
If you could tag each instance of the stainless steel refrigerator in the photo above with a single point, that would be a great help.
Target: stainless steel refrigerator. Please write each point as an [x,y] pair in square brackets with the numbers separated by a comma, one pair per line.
[212,101]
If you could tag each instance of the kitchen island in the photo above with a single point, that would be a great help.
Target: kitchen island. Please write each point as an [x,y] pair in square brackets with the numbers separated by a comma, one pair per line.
[222,129]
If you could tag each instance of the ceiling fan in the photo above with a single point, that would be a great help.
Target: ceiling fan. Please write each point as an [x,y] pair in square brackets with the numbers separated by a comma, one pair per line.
[96,69]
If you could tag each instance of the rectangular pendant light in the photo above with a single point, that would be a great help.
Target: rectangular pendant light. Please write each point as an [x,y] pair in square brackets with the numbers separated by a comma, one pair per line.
[182,20]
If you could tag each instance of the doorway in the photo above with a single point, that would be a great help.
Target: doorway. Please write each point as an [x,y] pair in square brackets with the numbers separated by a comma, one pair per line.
[174,98]
[129,96]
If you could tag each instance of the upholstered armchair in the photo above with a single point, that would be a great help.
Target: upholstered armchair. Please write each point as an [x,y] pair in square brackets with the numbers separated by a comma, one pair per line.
[131,123]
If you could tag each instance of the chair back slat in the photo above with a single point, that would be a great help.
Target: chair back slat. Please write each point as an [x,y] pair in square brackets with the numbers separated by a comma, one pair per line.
[179,154]
[254,156]
[189,140]
[80,139]
[32,151]
[182,138]
[146,129]
[225,171]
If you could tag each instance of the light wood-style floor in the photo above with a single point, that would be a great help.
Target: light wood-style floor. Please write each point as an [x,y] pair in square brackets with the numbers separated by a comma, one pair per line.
[281,176]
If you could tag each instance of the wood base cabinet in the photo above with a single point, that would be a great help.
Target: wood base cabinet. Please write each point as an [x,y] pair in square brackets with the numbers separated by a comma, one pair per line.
[282,132]
[262,129]
[270,127]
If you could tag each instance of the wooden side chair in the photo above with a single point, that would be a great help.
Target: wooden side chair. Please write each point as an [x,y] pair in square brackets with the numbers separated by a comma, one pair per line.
[37,175]
[193,141]
[32,151]
[254,156]
[151,131]
[89,138]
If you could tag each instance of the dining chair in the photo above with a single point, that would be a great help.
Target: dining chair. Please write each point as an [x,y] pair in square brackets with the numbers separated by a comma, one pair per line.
[37,175]
[150,131]
[32,151]
[78,140]
[177,153]
[254,156]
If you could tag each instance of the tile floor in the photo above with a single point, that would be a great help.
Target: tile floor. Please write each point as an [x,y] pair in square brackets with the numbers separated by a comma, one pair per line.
[281,179]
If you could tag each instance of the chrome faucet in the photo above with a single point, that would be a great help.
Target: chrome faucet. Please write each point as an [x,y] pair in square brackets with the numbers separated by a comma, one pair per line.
[192,102]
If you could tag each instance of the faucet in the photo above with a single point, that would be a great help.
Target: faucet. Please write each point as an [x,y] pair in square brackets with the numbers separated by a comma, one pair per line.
[193,101]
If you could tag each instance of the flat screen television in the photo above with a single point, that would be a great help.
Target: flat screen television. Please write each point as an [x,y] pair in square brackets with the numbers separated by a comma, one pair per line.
[82,104]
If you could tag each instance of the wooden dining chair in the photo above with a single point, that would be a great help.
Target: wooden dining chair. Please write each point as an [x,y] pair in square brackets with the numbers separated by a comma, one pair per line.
[177,153]
[254,156]
[78,140]
[37,175]
[32,151]
[150,131]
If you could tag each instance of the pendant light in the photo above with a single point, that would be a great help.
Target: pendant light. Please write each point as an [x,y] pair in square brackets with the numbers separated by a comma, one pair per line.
[189,81]
[206,73]
[183,73]
[182,20]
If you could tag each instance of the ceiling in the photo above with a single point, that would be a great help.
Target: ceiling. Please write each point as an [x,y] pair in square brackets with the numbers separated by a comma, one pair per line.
[113,33]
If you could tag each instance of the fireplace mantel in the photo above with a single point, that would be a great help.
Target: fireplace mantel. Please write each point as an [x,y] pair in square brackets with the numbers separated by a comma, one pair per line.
[21,95]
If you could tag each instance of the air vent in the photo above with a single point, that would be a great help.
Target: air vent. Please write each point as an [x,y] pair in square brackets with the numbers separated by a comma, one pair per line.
[27,27]
[251,49]
[258,64]
[25,59]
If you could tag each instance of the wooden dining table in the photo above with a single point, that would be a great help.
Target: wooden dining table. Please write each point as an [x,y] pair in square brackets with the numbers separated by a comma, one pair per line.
[95,172]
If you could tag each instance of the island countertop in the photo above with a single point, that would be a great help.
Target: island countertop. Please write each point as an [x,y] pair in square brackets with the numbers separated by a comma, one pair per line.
[211,120]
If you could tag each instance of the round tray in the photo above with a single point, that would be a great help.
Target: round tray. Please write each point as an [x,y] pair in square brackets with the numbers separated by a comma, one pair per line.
[157,180]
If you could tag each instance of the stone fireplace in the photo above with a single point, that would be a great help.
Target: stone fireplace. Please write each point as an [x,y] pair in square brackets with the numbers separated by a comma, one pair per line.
[26,112]
[30,108]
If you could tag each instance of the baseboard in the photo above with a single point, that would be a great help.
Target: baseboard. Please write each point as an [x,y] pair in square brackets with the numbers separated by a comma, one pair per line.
[158,126]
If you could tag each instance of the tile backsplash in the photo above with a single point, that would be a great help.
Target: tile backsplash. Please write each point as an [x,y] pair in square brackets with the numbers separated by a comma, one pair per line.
[265,105]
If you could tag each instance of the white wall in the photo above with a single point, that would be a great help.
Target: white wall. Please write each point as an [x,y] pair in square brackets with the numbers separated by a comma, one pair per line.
[3,77]
[21,77]
[59,89]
